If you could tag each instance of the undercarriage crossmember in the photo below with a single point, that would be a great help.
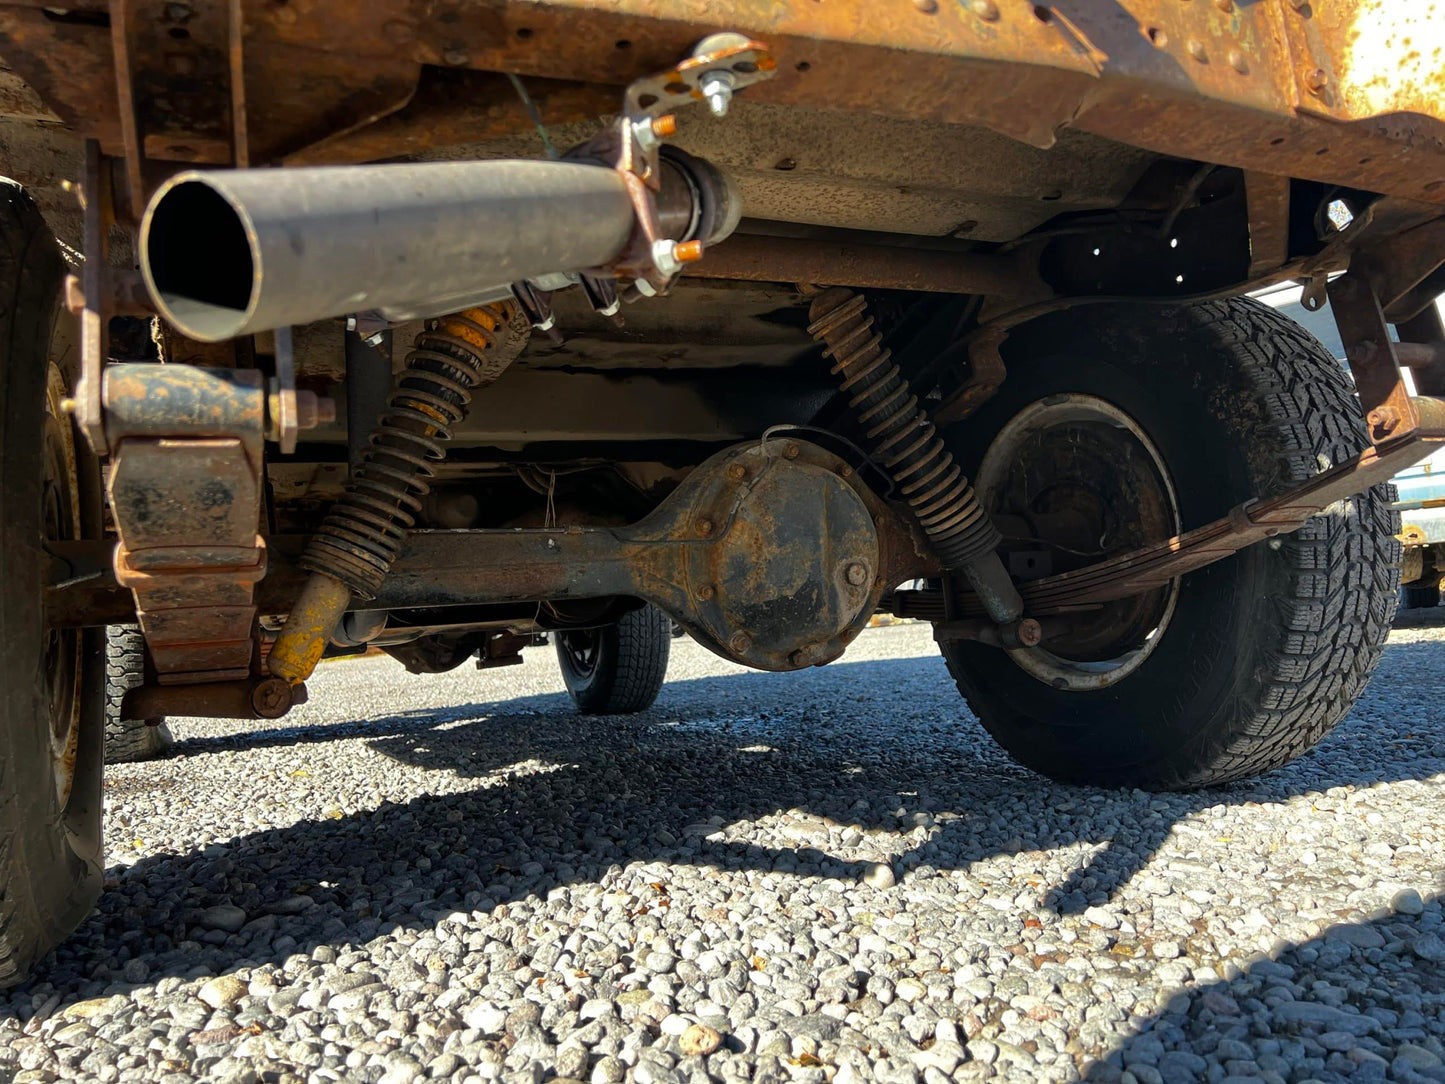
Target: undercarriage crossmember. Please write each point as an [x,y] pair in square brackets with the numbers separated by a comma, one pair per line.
[774,552]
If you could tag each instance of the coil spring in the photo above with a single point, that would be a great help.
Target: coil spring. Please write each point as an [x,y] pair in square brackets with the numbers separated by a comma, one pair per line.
[362,535]
[903,439]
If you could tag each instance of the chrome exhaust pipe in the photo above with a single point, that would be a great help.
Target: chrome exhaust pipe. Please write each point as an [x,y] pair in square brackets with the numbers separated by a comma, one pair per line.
[232,252]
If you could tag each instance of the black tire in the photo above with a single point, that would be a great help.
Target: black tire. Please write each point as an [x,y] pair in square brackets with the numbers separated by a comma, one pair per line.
[1422,596]
[617,669]
[50,845]
[1266,650]
[129,740]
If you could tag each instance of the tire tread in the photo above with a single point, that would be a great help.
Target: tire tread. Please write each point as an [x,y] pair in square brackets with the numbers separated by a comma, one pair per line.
[1345,565]
[128,740]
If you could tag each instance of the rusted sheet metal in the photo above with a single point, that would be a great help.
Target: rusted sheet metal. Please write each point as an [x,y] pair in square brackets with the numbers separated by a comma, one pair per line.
[1268,86]
[786,259]
[1368,58]
[456,106]
[1267,197]
[69,64]
[1212,81]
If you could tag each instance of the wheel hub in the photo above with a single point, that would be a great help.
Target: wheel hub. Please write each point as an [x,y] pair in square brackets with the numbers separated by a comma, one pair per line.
[1073,480]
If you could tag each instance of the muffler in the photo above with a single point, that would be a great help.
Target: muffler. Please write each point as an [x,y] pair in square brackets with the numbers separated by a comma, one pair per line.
[232,252]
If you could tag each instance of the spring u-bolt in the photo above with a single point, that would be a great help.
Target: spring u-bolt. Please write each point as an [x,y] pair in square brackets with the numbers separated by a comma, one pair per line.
[363,533]
[908,446]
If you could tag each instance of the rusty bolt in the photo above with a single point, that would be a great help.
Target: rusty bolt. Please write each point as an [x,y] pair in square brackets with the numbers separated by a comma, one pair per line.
[664,126]
[856,574]
[1030,632]
[845,471]
[456,57]
[705,592]
[1385,419]
[1316,80]
[737,472]
[704,526]
[792,451]
[271,698]
[739,643]
[986,10]
[1237,61]
[313,410]
[799,658]
[1195,48]
[687,251]
[928,7]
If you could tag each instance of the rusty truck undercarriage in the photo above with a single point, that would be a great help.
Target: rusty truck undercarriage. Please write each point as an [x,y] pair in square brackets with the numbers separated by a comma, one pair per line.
[441,326]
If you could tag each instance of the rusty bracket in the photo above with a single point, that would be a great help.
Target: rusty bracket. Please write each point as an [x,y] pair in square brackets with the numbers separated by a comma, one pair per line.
[95,291]
[185,493]
[1374,362]
[720,65]
[732,58]
[254,698]
[986,374]
[123,20]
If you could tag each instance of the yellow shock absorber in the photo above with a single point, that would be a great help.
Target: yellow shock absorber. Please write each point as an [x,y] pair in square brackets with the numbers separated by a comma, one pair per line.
[362,535]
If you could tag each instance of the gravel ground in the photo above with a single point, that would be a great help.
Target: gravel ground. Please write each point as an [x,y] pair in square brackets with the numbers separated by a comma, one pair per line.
[826,876]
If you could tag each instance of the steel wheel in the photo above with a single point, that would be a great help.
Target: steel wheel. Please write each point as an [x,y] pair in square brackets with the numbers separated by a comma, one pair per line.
[1073,479]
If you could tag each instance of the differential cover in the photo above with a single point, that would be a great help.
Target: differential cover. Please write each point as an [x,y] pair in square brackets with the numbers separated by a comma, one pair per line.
[793,555]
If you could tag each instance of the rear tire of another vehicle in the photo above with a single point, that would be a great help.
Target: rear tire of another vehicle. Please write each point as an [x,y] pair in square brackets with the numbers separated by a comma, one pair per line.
[129,740]
[617,669]
[52,682]
[1259,655]
[1422,597]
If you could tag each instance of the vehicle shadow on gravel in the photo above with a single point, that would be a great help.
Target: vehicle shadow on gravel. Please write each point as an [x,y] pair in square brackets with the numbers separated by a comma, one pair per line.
[1361,1002]
[564,800]
[950,774]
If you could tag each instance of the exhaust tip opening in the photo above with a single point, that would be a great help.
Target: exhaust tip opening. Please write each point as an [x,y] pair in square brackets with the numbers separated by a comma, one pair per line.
[198,261]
